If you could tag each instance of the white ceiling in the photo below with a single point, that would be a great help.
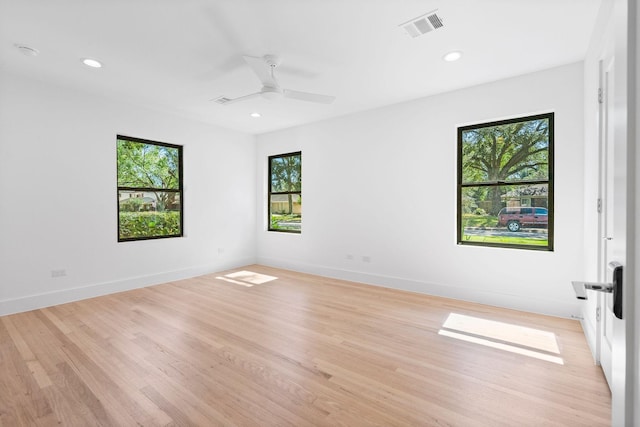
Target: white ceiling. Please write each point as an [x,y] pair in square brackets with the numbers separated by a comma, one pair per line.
[176,55]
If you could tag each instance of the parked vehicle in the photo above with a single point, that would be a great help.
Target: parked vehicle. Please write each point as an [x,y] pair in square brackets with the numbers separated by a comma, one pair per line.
[515,218]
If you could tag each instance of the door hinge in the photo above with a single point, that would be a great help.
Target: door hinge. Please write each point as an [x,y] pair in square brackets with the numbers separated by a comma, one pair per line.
[599,205]
[600,95]
[597,314]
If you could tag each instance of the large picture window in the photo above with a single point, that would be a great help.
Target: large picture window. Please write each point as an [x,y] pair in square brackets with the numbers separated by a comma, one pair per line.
[149,189]
[505,183]
[285,192]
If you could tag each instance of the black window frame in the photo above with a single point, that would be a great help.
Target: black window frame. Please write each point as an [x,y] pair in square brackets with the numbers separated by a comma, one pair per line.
[549,182]
[179,191]
[271,193]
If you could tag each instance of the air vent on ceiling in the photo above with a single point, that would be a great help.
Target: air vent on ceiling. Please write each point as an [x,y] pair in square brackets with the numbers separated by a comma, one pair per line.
[221,100]
[423,24]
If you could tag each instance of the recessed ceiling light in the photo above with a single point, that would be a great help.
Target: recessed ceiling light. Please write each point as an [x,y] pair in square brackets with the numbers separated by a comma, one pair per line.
[93,63]
[256,115]
[452,56]
[27,51]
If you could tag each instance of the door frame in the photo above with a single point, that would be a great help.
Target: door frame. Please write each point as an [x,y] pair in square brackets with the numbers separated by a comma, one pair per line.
[625,356]
[616,34]
[633,303]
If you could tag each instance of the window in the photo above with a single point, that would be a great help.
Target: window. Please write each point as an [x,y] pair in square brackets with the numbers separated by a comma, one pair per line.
[505,183]
[285,192]
[149,189]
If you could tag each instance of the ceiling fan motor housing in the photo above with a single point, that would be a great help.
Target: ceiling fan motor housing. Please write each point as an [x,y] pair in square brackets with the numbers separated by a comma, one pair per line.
[271,89]
[272,60]
[271,93]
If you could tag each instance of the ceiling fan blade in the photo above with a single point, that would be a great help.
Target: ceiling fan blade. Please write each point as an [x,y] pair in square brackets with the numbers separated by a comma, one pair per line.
[306,96]
[226,101]
[262,70]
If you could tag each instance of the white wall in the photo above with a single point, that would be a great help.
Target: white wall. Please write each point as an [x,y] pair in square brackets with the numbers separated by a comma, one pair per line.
[58,206]
[382,184]
[379,184]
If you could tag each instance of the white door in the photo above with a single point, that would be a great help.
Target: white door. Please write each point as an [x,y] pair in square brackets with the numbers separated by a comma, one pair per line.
[612,332]
[615,216]
[604,308]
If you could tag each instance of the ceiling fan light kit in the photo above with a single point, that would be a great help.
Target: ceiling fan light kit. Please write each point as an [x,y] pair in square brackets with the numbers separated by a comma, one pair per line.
[264,69]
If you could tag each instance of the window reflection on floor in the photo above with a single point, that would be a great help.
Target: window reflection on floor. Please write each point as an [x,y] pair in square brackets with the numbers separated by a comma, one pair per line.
[246,278]
[525,341]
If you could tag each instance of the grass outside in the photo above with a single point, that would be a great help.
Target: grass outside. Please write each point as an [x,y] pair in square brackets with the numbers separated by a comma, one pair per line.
[506,240]
[490,221]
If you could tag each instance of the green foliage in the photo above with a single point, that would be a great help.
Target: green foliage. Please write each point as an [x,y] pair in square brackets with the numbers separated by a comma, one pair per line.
[286,222]
[133,204]
[481,220]
[505,153]
[468,203]
[510,152]
[476,200]
[147,165]
[149,224]
[286,174]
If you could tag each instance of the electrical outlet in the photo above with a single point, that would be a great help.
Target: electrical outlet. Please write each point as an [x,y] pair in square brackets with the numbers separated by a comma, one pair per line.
[58,273]
[349,256]
[366,258]
[220,251]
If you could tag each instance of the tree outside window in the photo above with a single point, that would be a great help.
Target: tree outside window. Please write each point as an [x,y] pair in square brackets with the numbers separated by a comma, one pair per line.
[505,183]
[149,189]
[285,192]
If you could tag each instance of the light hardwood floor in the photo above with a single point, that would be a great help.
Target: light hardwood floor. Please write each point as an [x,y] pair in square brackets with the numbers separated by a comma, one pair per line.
[293,349]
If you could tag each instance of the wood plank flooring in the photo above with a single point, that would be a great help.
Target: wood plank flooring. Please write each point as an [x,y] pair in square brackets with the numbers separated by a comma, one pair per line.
[268,347]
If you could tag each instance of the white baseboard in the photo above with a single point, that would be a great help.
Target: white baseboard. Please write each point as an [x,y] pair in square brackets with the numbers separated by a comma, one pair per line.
[47,299]
[515,302]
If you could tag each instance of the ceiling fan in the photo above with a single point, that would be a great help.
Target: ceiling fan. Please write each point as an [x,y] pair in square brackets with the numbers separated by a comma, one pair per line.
[264,68]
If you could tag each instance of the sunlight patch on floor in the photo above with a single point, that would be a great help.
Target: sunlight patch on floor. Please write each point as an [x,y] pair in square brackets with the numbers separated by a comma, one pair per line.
[525,341]
[246,278]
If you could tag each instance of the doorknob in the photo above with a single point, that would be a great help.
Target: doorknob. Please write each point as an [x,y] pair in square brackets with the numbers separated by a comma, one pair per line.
[615,288]
[581,287]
